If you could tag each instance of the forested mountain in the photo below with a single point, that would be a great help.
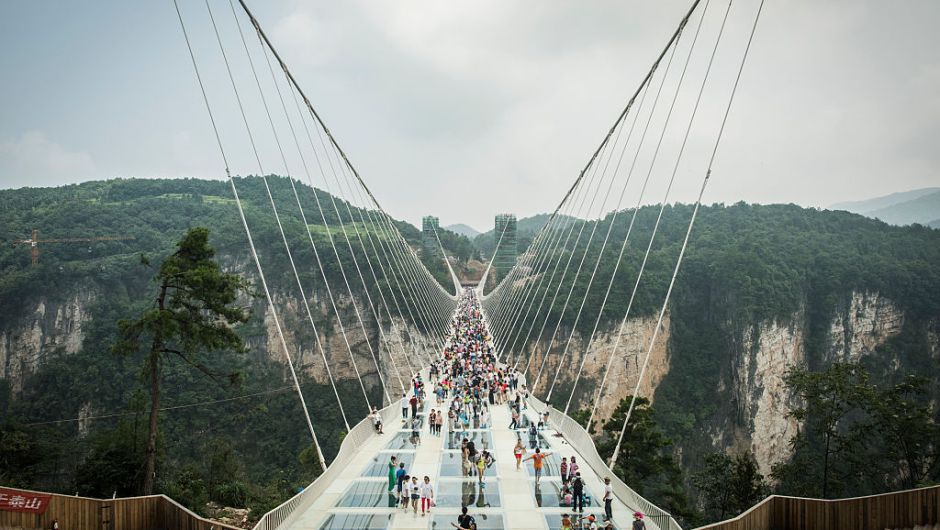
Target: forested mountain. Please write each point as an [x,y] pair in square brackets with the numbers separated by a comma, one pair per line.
[763,289]
[58,320]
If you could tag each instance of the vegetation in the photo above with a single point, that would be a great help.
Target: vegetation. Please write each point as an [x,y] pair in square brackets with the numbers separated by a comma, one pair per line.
[728,485]
[78,419]
[746,266]
[193,313]
[858,438]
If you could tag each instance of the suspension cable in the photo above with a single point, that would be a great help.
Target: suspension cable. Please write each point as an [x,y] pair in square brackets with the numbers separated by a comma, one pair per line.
[251,244]
[688,232]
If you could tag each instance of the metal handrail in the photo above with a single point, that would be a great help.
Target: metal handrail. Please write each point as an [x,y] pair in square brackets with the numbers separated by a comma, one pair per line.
[289,510]
[583,443]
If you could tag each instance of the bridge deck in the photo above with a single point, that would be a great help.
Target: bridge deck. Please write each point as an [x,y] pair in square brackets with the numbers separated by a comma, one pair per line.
[509,499]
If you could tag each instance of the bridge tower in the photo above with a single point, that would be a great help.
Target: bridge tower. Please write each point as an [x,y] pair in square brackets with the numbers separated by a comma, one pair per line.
[429,225]
[504,256]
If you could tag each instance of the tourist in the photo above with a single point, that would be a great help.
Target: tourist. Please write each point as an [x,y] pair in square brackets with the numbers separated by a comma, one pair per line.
[427,495]
[577,487]
[608,499]
[465,521]
[405,491]
[591,522]
[376,421]
[439,423]
[415,490]
[638,523]
[391,473]
[573,466]
[533,436]
[563,469]
[565,522]
[518,451]
[404,407]
[537,462]
[400,477]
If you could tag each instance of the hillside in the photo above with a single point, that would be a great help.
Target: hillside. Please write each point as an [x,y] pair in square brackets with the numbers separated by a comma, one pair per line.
[916,206]
[762,288]
[58,321]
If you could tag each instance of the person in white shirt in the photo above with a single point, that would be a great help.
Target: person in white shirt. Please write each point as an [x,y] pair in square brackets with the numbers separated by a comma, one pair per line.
[608,499]
[427,495]
[404,407]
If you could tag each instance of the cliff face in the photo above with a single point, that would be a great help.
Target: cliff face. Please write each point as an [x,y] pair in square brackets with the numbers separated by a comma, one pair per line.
[51,325]
[45,326]
[754,379]
[625,366]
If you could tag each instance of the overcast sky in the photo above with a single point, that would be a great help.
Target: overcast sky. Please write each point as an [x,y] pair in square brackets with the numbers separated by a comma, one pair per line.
[465,109]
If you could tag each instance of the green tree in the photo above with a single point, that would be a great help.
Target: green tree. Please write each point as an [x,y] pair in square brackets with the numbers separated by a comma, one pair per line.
[114,464]
[729,484]
[910,438]
[646,461]
[193,313]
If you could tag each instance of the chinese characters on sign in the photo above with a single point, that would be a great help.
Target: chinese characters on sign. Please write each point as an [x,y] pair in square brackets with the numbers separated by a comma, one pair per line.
[23,501]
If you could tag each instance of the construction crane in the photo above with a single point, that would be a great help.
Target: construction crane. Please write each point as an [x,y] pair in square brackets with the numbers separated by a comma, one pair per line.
[34,242]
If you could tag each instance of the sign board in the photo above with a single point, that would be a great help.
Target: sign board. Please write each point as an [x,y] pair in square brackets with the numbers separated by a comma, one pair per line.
[23,501]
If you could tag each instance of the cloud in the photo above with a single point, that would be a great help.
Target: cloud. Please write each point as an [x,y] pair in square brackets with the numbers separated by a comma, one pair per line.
[32,159]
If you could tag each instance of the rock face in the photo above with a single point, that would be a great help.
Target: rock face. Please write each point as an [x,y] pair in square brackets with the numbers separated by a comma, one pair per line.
[45,327]
[624,356]
[755,380]
[759,356]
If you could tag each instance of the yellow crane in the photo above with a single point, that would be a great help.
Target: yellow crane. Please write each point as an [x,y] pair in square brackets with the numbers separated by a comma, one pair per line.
[34,242]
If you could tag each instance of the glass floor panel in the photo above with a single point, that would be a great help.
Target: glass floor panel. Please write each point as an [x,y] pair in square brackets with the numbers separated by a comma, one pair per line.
[551,465]
[484,522]
[357,521]
[541,441]
[451,464]
[480,439]
[554,521]
[548,494]
[367,494]
[401,440]
[378,466]
[459,493]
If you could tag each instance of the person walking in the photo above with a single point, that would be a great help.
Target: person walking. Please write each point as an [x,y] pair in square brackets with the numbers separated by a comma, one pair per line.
[404,408]
[563,469]
[400,477]
[608,499]
[465,521]
[392,464]
[414,405]
[638,523]
[439,422]
[427,495]
[577,487]
[537,463]
[415,489]
[518,451]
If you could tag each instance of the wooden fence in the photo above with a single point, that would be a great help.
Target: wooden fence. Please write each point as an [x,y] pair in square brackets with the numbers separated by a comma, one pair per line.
[155,512]
[901,509]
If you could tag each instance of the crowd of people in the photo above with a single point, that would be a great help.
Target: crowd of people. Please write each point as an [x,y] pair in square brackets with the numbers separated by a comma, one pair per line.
[467,382]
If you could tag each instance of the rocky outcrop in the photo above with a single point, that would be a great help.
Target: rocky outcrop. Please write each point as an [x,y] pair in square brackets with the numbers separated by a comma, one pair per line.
[45,326]
[625,358]
[768,349]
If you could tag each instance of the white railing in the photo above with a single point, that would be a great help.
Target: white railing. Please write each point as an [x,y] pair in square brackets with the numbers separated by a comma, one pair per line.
[582,442]
[286,513]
